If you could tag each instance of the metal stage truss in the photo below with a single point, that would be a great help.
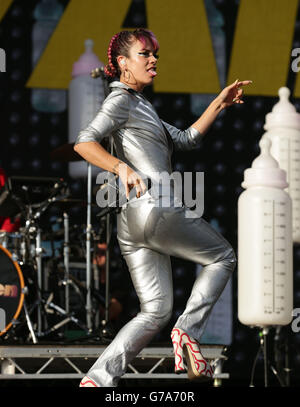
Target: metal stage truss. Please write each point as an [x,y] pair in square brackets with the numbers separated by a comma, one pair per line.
[70,362]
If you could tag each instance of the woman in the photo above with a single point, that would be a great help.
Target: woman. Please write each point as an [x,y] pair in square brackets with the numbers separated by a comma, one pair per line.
[149,233]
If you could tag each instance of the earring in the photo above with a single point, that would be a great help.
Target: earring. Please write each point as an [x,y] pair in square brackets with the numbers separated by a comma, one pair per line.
[126,75]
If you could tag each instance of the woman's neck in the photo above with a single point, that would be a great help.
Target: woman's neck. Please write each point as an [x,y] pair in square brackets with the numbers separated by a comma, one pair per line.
[134,86]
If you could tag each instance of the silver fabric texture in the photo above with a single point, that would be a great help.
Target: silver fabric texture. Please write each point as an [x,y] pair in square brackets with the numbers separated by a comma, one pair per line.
[138,134]
[149,233]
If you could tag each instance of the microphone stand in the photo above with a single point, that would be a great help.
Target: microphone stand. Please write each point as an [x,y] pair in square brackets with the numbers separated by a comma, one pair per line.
[88,250]
[107,262]
[98,72]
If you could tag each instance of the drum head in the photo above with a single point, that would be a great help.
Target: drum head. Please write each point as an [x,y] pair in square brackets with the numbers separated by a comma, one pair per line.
[11,290]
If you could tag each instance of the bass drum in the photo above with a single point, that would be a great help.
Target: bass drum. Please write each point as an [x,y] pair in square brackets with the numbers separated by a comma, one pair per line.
[11,290]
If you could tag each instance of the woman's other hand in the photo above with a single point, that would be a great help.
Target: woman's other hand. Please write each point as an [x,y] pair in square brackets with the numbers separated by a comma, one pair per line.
[130,180]
[232,94]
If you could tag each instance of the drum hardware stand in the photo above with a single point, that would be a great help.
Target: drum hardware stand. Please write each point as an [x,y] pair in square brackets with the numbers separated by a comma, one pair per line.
[284,369]
[32,233]
[27,317]
[29,323]
[32,227]
[263,348]
[50,307]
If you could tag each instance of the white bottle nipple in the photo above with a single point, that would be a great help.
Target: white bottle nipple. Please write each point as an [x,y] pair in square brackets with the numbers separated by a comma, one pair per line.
[284,105]
[284,113]
[265,159]
[265,170]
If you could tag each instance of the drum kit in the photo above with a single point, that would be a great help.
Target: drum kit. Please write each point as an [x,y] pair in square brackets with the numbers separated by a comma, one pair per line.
[36,289]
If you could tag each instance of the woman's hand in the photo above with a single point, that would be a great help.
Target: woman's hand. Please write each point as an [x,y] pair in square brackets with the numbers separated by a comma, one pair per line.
[232,94]
[229,95]
[130,180]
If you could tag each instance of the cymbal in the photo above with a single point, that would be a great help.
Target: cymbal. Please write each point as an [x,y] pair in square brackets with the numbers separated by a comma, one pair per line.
[65,153]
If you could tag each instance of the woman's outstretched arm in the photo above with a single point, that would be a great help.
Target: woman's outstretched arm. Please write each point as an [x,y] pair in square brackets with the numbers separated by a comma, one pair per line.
[230,95]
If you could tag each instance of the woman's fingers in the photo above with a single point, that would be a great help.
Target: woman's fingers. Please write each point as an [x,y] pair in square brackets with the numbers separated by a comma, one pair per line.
[233,85]
[143,186]
[140,187]
[238,83]
[131,180]
[242,83]
[127,190]
[134,181]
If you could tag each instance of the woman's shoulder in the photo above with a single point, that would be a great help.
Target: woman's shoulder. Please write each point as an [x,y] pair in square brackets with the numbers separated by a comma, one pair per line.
[118,94]
[116,106]
[117,100]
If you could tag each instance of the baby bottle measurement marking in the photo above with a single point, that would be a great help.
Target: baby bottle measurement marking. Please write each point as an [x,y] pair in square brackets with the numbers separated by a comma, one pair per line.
[274,255]
[289,160]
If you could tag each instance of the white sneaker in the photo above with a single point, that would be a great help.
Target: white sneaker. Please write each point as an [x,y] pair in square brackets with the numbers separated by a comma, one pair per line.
[87,382]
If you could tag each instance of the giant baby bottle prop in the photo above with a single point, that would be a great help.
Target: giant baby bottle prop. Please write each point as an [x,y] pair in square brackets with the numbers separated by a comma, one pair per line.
[86,96]
[283,129]
[265,244]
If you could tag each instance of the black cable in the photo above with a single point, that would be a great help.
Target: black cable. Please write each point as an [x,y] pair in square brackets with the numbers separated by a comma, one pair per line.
[254,365]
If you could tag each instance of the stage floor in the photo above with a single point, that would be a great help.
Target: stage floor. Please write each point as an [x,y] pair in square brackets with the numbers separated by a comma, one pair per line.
[38,361]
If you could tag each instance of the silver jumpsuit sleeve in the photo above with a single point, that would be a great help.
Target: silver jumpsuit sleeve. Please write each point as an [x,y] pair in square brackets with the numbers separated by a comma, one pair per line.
[184,139]
[112,115]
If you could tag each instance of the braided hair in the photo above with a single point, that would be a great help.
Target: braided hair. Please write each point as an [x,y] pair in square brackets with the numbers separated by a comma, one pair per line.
[120,44]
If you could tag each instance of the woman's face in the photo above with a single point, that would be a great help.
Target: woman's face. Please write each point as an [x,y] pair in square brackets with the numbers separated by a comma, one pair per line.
[139,69]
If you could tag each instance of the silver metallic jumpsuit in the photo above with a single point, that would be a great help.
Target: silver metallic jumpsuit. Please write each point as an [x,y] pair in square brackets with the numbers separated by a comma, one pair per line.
[148,233]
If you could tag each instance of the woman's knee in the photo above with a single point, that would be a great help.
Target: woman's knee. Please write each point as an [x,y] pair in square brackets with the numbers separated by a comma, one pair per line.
[160,311]
[230,258]
[165,318]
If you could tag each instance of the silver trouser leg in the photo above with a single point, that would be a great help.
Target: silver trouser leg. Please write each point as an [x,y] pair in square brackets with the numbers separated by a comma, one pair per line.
[151,276]
[148,235]
[171,231]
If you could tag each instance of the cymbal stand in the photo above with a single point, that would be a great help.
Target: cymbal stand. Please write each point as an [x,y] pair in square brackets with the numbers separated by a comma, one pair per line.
[29,323]
[66,261]
[38,255]
[50,306]
[107,263]
[32,227]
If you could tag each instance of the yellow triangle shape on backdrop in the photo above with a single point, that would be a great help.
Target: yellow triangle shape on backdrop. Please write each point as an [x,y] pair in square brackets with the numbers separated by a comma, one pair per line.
[187,62]
[4,6]
[91,19]
[262,44]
